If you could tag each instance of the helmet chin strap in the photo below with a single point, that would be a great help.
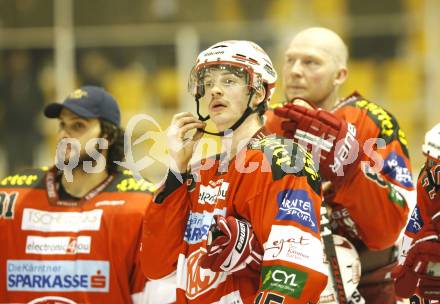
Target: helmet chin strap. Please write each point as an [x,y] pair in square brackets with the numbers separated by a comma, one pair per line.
[238,123]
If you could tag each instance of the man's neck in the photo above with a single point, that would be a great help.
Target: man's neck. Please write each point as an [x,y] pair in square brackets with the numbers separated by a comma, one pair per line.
[241,136]
[82,182]
[330,101]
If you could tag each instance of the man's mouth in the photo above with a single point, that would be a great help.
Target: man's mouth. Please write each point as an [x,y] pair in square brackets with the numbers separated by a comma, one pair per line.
[217,105]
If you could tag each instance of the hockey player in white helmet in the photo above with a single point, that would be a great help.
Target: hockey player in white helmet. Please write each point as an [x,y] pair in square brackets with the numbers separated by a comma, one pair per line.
[255,68]
[235,232]
[418,272]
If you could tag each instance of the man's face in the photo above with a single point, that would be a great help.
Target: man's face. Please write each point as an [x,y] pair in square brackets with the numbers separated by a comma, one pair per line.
[309,72]
[226,96]
[81,129]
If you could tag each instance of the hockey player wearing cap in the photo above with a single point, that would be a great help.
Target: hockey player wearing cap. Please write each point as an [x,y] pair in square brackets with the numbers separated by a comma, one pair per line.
[264,245]
[363,155]
[418,271]
[75,239]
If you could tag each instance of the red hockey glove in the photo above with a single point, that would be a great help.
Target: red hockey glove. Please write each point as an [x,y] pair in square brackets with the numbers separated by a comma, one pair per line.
[420,271]
[232,247]
[326,135]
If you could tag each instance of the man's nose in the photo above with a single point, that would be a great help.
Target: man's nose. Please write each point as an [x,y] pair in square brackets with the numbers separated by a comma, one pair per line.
[62,134]
[216,90]
[296,68]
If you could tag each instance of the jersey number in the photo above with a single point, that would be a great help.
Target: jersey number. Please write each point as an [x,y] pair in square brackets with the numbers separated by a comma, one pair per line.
[7,204]
[418,300]
[271,298]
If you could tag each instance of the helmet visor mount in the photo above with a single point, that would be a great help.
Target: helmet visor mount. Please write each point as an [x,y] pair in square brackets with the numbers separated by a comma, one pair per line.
[431,162]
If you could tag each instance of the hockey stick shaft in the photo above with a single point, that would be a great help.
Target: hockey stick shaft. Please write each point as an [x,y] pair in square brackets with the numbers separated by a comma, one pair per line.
[332,258]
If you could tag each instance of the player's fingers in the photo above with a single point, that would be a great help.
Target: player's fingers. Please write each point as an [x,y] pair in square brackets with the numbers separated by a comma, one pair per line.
[303,103]
[189,126]
[185,120]
[178,116]
[288,125]
[199,134]
[282,112]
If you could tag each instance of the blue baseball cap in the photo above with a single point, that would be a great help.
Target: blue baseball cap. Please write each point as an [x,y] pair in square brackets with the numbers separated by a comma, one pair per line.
[88,102]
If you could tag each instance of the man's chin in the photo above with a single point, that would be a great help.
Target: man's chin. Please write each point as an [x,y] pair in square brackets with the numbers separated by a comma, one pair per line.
[292,96]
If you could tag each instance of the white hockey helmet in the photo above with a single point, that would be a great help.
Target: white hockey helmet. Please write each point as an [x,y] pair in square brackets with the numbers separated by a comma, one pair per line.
[242,54]
[350,267]
[431,146]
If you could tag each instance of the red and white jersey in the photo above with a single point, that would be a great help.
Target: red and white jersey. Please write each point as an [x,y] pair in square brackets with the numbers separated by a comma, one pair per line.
[427,195]
[371,206]
[283,209]
[84,251]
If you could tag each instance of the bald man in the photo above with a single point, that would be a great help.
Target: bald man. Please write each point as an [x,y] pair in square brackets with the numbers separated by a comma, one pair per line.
[368,201]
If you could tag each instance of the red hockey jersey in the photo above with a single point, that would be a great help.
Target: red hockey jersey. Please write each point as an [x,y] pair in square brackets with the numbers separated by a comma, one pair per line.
[283,208]
[371,206]
[83,251]
[427,195]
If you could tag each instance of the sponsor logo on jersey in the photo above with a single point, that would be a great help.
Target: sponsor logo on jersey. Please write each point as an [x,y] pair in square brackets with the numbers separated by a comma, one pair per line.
[291,244]
[58,245]
[415,223]
[384,120]
[19,180]
[52,275]
[343,152]
[52,299]
[198,280]
[215,190]
[132,184]
[395,168]
[287,281]
[198,225]
[296,205]
[109,203]
[46,221]
[389,128]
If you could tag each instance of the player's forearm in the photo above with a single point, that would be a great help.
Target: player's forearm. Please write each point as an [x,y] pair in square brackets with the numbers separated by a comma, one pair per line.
[163,229]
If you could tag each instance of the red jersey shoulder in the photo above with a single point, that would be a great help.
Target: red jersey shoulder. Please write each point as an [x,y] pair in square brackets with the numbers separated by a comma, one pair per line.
[371,118]
[285,157]
[30,178]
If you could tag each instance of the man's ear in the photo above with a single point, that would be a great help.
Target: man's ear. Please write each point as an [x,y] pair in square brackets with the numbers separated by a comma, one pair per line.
[341,76]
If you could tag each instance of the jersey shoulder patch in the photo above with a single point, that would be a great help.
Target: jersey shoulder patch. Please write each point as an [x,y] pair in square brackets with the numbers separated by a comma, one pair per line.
[387,124]
[29,178]
[126,182]
[287,157]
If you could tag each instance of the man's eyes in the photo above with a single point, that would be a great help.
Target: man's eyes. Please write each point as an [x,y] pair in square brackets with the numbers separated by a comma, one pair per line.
[78,126]
[230,81]
[225,81]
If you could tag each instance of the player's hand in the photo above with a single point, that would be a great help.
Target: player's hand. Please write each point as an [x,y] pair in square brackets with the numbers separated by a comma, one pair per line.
[324,133]
[232,247]
[180,145]
[420,271]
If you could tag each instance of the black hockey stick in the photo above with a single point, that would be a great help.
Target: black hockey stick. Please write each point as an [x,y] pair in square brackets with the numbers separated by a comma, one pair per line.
[332,259]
